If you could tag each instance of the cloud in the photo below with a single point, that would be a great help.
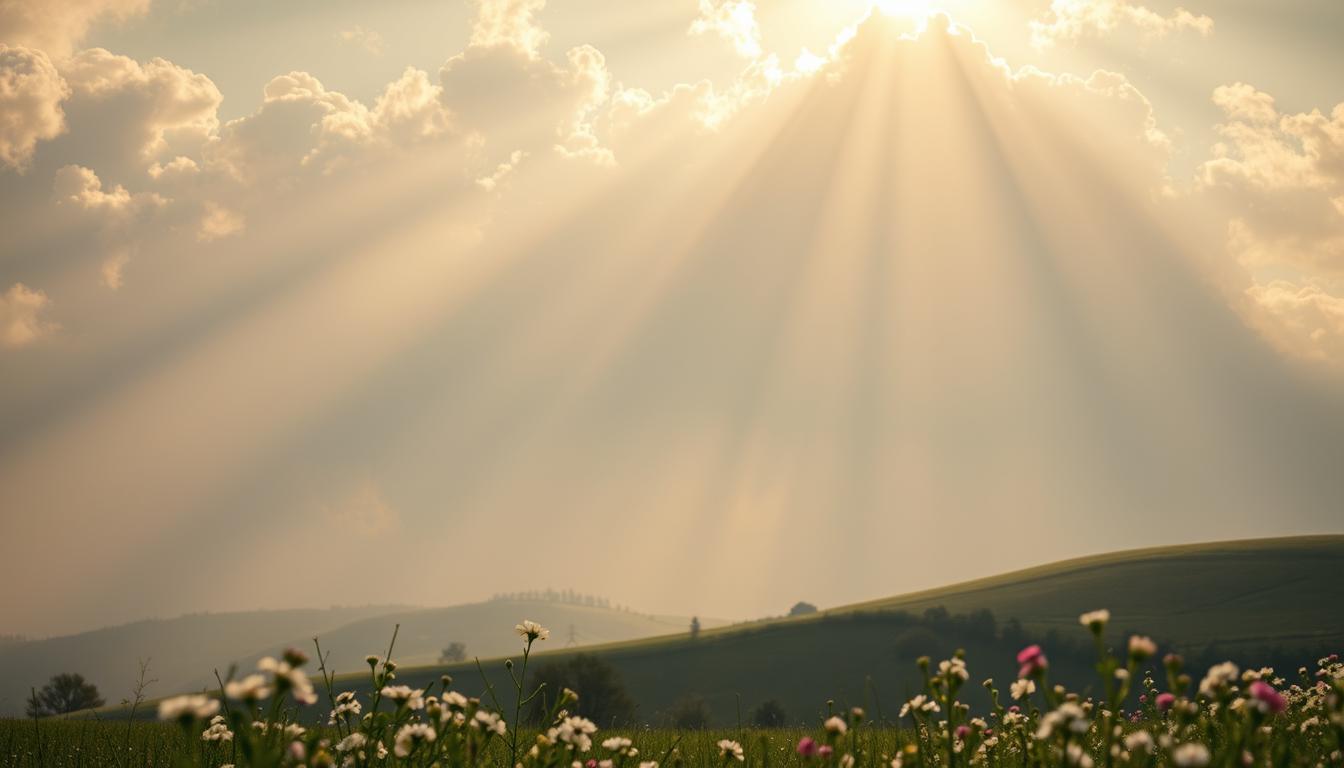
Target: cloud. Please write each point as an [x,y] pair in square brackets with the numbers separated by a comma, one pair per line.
[362,37]
[1072,20]
[1303,319]
[31,92]
[734,21]
[58,26]
[508,23]
[126,116]
[301,127]
[81,188]
[504,92]
[1280,179]
[21,323]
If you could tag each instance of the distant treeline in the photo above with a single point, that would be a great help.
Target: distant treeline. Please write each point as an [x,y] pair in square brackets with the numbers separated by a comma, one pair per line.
[562,596]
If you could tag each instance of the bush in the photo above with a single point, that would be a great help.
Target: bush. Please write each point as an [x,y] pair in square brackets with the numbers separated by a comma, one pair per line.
[689,713]
[769,714]
[602,695]
[67,692]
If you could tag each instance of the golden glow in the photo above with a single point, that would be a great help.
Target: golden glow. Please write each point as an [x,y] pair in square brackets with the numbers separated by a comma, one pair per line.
[915,9]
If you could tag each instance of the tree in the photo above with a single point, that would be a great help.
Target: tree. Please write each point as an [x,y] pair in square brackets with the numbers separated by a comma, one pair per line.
[454,653]
[65,693]
[802,609]
[695,627]
[770,714]
[689,713]
[602,695]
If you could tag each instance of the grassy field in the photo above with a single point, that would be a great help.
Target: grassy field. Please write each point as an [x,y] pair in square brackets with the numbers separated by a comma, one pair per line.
[66,744]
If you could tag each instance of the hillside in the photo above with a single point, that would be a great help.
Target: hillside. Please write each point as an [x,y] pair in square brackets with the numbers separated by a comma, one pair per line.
[180,649]
[1268,601]
[484,628]
[1240,594]
[184,651]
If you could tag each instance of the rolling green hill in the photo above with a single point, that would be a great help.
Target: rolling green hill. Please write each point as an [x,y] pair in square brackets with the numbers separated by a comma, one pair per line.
[1277,601]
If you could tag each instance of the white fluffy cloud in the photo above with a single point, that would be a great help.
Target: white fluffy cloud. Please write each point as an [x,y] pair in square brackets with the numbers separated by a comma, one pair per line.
[21,321]
[1302,318]
[734,21]
[1281,179]
[31,92]
[57,26]
[1072,20]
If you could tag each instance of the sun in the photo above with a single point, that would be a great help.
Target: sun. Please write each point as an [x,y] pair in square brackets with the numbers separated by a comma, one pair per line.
[909,8]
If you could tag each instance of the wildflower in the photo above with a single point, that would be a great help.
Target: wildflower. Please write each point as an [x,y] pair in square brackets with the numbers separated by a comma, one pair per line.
[218,730]
[575,731]
[1022,688]
[250,688]
[489,722]
[1141,647]
[352,742]
[836,725]
[1190,755]
[962,732]
[618,744]
[1069,716]
[1032,660]
[825,751]
[1164,701]
[954,667]
[807,747]
[1266,698]
[648,764]
[371,660]
[532,631]
[411,736]
[288,676]
[1095,620]
[1139,741]
[846,761]
[1076,756]
[920,703]
[730,750]
[412,697]
[1218,679]
[190,707]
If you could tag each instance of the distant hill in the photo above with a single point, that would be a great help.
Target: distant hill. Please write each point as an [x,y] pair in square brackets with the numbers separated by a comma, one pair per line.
[486,629]
[1277,601]
[184,651]
[1241,594]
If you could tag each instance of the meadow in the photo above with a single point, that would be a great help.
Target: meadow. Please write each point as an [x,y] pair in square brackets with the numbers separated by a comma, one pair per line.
[1188,718]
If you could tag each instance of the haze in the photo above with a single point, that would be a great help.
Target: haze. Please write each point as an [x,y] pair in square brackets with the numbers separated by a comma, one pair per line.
[707,307]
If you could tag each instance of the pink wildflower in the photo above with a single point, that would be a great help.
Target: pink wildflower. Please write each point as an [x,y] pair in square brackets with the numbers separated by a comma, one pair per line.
[825,751]
[1032,659]
[807,746]
[1164,701]
[1270,699]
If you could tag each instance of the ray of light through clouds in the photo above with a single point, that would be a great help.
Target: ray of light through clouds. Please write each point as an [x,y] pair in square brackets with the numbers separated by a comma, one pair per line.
[685,294]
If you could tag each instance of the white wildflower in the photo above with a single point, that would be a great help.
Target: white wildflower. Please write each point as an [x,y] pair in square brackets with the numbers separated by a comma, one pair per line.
[1095,620]
[730,749]
[836,725]
[532,630]
[1190,755]
[196,706]
[1022,688]
[411,736]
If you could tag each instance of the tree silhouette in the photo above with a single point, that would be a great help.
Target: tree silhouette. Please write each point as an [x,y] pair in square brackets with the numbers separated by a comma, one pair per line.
[602,695]
[65,693]
[802,609]
[454,653]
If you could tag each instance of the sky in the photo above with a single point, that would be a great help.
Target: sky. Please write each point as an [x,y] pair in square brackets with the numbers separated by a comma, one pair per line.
[706,306]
